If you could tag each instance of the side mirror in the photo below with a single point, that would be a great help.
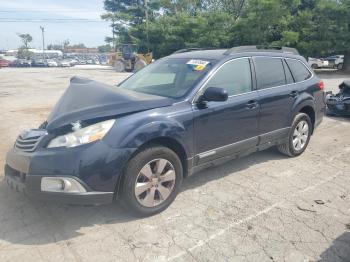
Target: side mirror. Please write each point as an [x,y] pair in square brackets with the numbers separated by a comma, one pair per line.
[216,94]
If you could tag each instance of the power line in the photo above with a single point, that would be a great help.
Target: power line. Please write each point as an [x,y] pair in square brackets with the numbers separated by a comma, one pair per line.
[49,20]
[59,19]
[47,10]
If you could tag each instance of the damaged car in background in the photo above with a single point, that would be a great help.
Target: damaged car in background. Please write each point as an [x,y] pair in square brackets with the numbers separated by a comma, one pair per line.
[138,140]
[339,104]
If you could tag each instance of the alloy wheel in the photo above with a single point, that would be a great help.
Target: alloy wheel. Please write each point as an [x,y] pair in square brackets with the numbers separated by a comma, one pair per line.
[300,135]
[155,182]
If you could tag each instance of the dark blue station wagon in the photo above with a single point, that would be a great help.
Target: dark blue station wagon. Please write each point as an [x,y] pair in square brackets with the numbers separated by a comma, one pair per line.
[138,140]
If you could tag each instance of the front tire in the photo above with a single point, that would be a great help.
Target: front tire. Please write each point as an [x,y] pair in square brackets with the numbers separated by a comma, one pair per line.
[152,180]
[299,136]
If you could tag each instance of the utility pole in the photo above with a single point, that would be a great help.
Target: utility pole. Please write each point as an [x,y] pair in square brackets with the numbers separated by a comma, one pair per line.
[113,43]
[146,15]
[42,33]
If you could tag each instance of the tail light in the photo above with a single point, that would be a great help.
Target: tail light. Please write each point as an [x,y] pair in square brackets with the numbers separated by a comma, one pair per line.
[321,85]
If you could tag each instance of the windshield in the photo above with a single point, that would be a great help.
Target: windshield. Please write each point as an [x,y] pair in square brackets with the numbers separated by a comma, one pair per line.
[172,77]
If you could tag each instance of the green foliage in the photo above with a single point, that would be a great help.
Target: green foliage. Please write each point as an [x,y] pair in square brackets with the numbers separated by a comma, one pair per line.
[315,27]
[64,46]
[104,48]
[55,47]
[170,33]
[80,45]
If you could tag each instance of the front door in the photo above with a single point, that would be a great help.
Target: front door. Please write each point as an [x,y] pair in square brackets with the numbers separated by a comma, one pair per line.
[223,128]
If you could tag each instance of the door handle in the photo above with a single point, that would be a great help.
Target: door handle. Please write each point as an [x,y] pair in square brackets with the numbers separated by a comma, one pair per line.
[293,94]
[252,104]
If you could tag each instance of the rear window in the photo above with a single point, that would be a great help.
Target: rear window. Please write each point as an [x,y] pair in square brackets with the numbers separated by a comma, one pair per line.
[299,70]
[269,72]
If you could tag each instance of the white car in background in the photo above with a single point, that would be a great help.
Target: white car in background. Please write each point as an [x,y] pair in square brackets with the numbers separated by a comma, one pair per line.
[73,62]
[64,63]
[51,63]
[316,63]
[335,61]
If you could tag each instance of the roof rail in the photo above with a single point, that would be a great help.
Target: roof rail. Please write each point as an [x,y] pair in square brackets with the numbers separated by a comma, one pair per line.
[257,48]
[191,49]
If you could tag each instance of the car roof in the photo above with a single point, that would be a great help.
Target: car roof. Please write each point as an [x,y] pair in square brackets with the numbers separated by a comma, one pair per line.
[201,54]
[220,54]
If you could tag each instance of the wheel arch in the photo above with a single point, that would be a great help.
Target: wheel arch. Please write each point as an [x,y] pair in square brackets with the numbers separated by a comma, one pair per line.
[305,104]
[165,141]
[311,113]
[172,144]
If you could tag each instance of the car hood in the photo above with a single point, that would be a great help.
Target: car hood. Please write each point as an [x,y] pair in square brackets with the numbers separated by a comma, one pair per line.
[86,99]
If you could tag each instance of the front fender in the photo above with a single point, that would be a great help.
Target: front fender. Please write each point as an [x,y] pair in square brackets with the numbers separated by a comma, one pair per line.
[133,132]
[156,129]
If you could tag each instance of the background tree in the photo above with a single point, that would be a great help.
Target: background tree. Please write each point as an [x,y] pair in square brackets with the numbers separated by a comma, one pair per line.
[65,44]
[345,40]
[104,48]
[55,47]
[315,27]
[26,39]
[124,14]
[23,53]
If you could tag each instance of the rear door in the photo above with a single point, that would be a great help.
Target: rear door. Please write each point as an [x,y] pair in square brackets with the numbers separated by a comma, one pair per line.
[277,94]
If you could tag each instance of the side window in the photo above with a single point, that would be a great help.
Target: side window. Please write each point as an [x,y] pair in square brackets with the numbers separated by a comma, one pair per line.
[269,72]
[299,71]
[289,77]
[234,76]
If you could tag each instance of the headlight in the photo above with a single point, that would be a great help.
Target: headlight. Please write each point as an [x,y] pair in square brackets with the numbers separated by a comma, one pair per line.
[83,136]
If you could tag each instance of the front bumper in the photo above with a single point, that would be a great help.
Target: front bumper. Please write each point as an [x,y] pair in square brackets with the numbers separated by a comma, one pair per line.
[30,186]
[97,167]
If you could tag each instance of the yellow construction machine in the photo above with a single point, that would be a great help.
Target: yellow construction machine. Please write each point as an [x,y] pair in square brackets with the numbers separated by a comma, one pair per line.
[126,58]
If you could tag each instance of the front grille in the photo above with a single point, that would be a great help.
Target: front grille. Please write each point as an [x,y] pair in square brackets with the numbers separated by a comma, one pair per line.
[29,141]
[26,145]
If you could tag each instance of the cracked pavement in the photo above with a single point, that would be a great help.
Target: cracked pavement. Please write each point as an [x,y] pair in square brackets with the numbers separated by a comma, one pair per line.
[263,207]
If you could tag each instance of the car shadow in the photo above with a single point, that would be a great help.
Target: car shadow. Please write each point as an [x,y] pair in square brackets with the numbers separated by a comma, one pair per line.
[339,118]
[27,222]
[229,167]
[338,251]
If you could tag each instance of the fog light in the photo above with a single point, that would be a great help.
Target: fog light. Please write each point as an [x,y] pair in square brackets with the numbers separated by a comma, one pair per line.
[61,184]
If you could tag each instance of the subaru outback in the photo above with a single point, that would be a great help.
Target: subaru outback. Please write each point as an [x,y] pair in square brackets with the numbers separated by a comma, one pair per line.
[138,140]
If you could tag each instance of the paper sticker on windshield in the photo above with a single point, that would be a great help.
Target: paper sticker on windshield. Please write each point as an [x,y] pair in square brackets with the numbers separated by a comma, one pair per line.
[198,65]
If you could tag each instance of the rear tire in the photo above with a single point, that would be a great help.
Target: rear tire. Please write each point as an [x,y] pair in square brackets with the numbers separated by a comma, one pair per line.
[299,136]
[340,66]
[152,181]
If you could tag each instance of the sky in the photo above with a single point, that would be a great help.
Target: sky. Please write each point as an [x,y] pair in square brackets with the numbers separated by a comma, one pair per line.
[76,20]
